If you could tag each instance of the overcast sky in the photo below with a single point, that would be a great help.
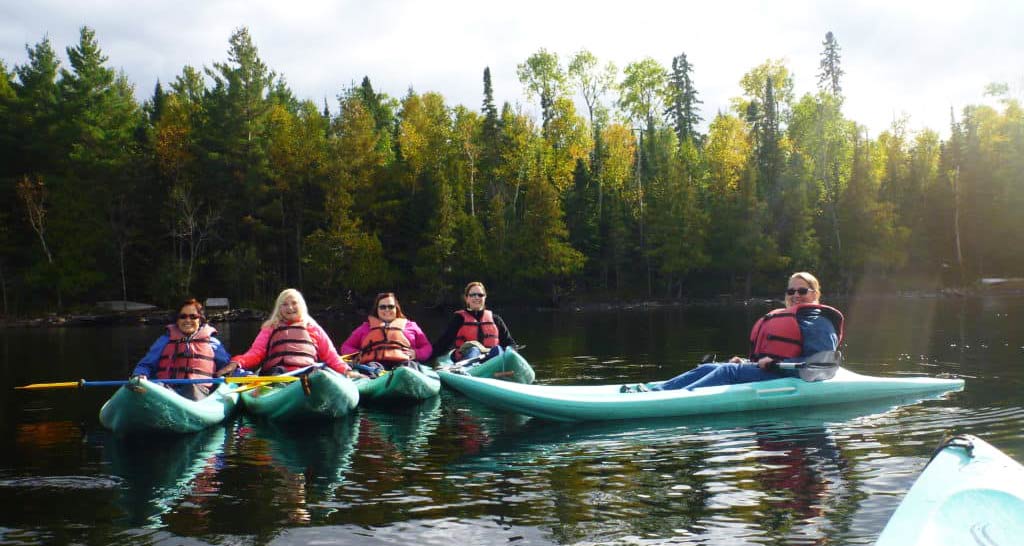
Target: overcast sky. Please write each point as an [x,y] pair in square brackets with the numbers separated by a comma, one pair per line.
[914,58]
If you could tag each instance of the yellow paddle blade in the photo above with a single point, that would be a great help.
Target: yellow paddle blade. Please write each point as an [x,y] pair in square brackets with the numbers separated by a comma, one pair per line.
[39,386]
[248,379]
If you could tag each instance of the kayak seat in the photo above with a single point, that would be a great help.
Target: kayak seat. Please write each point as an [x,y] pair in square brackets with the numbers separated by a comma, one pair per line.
[977,516]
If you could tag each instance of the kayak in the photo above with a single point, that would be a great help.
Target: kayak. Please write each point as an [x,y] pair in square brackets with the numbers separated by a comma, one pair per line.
[969,493]
[509,365]
[150,407]
[322,394]
[606,402]
[402,386]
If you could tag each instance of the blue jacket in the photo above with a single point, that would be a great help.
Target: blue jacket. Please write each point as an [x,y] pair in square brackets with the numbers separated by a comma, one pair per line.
[818,332]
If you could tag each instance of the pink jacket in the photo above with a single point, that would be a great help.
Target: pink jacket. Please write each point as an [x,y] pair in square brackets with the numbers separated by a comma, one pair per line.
[412,331]
[324,350]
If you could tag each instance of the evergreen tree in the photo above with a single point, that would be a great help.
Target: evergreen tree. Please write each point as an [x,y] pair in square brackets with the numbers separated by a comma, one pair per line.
[682,108]
[830,71]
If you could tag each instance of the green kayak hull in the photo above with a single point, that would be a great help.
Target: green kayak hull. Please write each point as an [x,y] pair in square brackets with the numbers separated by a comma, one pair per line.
[970,493]
[157,409]
[330,396]
[509,366]
[401,386]
[605,402]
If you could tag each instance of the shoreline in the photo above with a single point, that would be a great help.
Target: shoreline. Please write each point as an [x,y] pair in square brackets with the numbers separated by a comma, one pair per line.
[161,316]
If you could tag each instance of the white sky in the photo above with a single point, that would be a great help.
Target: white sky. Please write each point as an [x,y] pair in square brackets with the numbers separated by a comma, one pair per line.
[916,58]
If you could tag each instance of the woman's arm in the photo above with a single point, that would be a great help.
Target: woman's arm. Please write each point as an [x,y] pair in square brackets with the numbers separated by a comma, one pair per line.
[355,339]
[147,365]
[256,353]
[221,357]
[325,351]
[504,336]
[419,340]
[444,343]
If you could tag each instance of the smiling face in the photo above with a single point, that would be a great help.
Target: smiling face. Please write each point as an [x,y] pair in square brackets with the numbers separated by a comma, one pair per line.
[188,319]
[386,309]
[476,298]
[291,311]
[795,297]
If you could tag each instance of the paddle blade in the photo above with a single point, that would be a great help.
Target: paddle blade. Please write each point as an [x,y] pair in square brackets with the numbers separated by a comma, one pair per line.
[257,379]
[43,386]
[821,366]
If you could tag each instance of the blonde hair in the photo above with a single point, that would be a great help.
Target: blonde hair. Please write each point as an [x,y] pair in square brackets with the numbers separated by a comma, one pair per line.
[275,314]
[811,280]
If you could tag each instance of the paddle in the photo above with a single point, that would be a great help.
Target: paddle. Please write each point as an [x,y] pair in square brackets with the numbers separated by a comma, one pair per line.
[119,382]
[290,376]
[818,367]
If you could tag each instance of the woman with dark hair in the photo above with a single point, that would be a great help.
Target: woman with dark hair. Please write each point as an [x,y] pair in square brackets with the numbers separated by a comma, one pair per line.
[188,350]
[387,337]
[475,329]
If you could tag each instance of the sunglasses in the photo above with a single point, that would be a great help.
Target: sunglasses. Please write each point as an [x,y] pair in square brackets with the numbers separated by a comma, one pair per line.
[385,307]
[477,295]
[184,316]
[801,291]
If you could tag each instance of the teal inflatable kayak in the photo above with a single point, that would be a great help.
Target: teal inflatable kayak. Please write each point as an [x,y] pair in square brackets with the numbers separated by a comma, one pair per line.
[150,407]
[402,386]
[509,365]
[605,402]
[969,493]
[322,394]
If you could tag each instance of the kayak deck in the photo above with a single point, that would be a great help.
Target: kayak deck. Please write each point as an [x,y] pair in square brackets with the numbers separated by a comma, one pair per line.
[330,395]
[155,408]
[605,402]
[969,493]
[509,366]
[402,385]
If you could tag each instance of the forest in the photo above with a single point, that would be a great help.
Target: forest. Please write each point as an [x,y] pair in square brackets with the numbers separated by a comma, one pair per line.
[224,183]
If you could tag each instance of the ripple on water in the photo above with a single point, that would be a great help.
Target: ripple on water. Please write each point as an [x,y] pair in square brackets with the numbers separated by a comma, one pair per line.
[62,482]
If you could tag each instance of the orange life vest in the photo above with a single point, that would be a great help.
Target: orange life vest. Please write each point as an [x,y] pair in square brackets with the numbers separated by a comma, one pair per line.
[385,342]
[484,330]
[187,357]
[290,346]
[778,335]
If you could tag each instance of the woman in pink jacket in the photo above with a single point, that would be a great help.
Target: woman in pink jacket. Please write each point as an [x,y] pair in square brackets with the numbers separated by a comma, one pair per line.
[290,339]
[387,338]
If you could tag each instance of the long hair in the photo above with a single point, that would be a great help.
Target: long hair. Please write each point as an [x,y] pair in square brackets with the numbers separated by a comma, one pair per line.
[275,314]
[385,295]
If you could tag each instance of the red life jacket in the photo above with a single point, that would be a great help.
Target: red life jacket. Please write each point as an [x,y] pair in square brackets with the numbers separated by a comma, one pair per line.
[484,330]
[385,342]
[291,347]
[187,357]
[778,335]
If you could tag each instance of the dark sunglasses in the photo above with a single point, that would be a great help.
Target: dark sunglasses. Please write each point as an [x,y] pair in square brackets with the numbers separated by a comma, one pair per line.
[184,316]
[801,291]
[477,295]
[385,307]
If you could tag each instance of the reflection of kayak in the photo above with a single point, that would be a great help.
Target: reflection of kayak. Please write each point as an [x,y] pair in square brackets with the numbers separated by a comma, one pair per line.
[603,402]
[403,385]
[970,493]
[158,472]
[320,452]
[407,428]
[509,365]
[323,394]
[154,408]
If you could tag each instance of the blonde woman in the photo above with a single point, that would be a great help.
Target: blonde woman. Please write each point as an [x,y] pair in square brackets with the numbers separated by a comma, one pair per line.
[290,339]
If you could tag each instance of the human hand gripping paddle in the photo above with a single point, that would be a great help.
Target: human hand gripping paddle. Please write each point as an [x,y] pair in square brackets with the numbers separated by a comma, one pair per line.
[818,367]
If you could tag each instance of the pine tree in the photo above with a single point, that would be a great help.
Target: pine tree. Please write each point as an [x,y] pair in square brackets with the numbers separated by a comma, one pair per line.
[828,77]
[683,101]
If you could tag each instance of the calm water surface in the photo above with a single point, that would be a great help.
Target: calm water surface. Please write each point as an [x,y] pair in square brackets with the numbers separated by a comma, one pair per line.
[453,471]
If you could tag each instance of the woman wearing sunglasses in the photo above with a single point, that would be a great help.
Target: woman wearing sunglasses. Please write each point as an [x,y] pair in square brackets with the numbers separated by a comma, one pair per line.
[387,337]
[474,329]
[188,350]
[290,339]
[804,327]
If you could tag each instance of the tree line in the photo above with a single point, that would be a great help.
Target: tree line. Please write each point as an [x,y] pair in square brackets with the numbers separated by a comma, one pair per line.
[223,183]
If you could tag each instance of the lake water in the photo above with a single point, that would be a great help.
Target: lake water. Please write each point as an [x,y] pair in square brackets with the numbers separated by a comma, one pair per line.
[453,471]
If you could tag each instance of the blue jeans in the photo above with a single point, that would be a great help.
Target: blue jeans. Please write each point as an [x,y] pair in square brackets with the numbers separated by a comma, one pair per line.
[471,351]
[715,374]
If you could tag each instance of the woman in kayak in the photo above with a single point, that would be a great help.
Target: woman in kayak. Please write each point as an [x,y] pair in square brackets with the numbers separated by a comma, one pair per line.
[387,339]
[473,330]
[187,350]
[289,340]
[803,328]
